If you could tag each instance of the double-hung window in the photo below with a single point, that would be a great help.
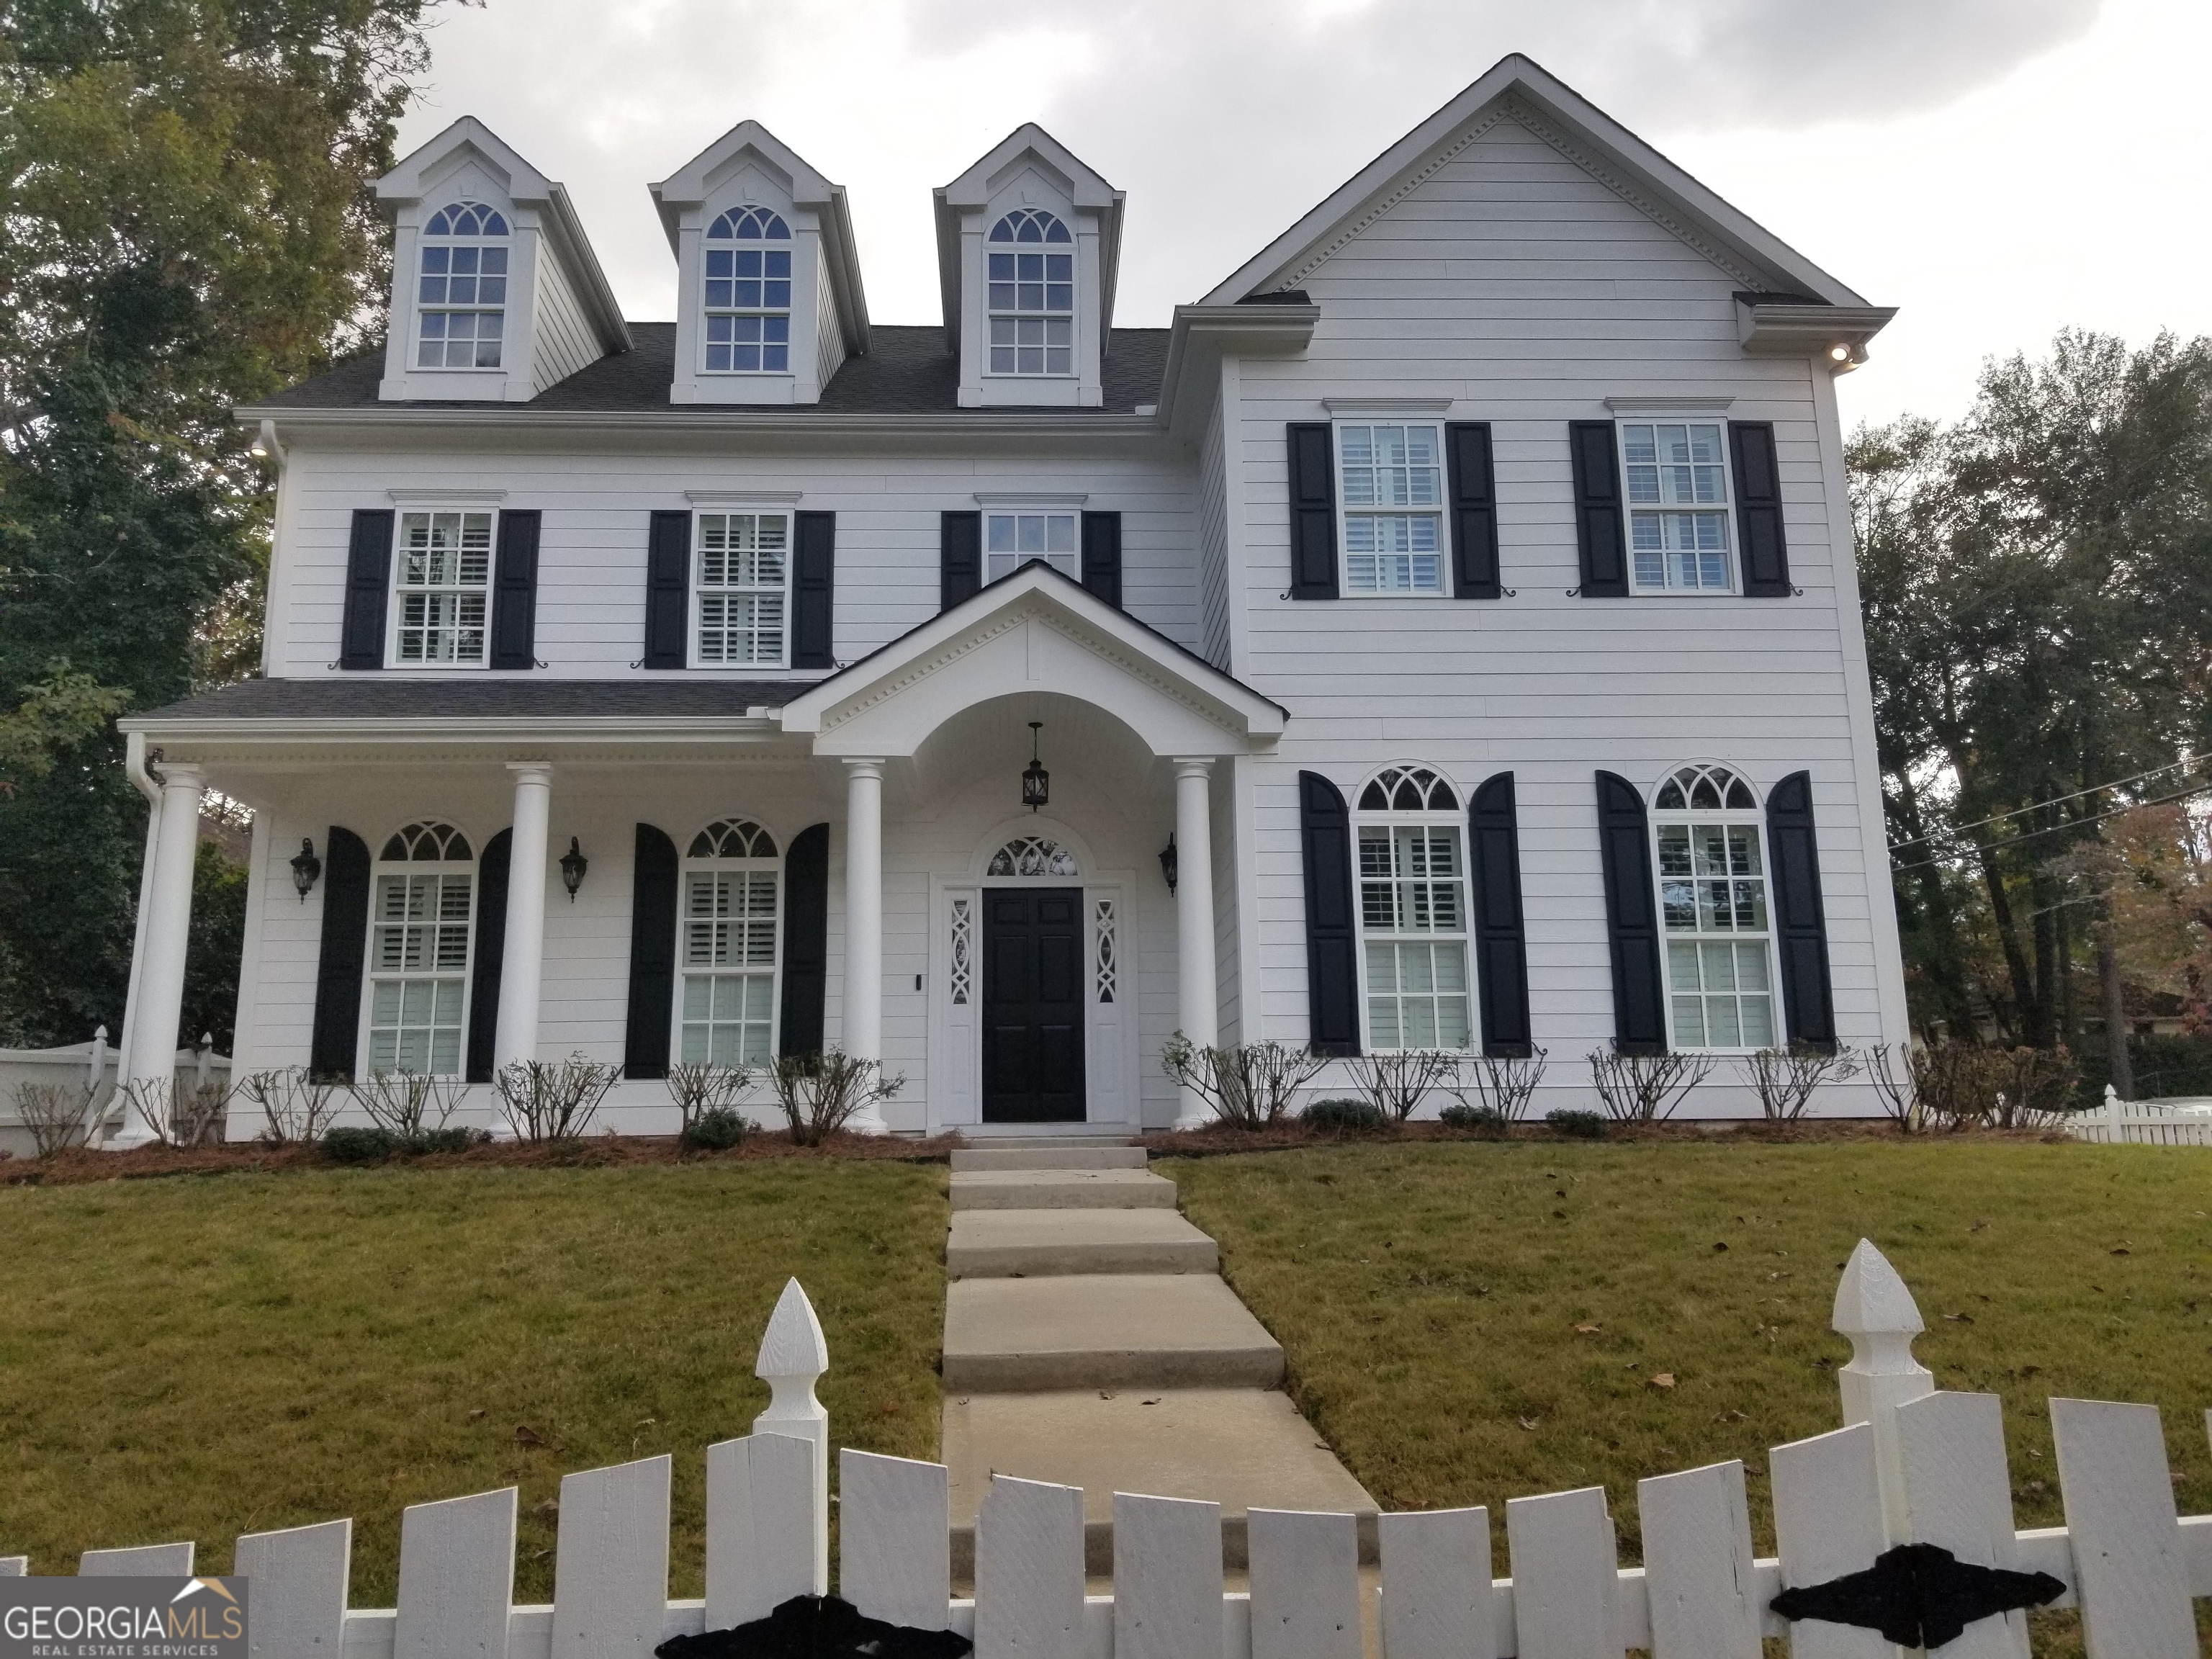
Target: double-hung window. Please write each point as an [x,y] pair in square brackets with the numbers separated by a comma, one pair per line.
[418,952]
[1032,295]
[726,1006]
[1012,540]
[1713,903]
[741,569]
[1390,485]
[1413,912]
[441,581]
[748,293]
[1677,478]
[461,291]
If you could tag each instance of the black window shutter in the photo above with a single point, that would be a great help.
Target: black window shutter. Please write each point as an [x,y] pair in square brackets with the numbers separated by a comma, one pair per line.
[960,557]
[1758,510]
[652,902]
[1631,916]
[806,941]
[1331,917]
[1500,936]
[813,590]
[368,578]
[1312,449]
[345,943]
[514,593]
[667,596]
[1102,555]
[1473,512]
[1600,533]
[1801,920]
[490,952]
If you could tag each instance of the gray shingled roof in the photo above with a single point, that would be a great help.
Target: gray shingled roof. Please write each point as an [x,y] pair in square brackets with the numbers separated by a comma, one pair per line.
[351,697]
[908,371]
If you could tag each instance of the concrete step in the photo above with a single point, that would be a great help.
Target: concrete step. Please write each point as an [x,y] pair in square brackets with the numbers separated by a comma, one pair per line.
[1049,1157]
[1103,1331]
[1061,1189]
[1018,1243]
[1241,1448]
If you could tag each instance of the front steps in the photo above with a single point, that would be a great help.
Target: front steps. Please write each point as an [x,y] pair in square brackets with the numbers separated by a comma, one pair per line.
[1022,1244]
[1048,1157]
[1105,1331]
[1061,1189]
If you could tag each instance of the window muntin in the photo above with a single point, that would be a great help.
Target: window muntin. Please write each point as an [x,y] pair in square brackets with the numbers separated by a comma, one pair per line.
[419,932]
[741,577]
[725,1002]
[1413,912]
[1390,481]
[1713,906]
[461,289]
[442,581]
[1032,855]
[1678,499]
[748,293]
[1012,540]
[1032,295]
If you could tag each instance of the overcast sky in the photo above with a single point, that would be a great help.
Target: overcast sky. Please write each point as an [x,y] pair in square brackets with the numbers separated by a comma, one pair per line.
[1995,167]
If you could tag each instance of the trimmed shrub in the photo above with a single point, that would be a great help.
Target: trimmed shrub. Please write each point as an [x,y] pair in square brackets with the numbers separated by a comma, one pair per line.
[351,1144]
[1581,1125]
[1480,1120]
[1345,1116]
[715,1129]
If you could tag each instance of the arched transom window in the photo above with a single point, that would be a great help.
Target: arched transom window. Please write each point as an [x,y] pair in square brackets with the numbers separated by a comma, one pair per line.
[748,278]
[1032,270]
[727,1001]
[462,294]
[418,950]
[1412,911]
[1713,902]
[1031,855]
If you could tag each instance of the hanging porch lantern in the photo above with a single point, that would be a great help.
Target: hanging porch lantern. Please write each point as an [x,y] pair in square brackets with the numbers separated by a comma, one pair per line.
[305,867]
[1037,782]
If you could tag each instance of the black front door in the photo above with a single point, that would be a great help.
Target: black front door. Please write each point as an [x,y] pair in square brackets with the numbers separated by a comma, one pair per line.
[1033,1005]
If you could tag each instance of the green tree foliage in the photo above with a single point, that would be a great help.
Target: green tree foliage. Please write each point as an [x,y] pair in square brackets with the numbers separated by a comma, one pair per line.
[185,224]
[2038,591]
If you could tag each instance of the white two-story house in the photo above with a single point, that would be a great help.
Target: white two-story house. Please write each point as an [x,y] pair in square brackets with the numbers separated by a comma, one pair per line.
[1442,635]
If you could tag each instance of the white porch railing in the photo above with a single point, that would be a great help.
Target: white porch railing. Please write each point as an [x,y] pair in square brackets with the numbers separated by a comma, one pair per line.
[2144,1122]
[1912,1464]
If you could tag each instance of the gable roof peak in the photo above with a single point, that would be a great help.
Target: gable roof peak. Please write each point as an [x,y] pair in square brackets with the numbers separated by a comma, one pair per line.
[409,177]
[1087,193]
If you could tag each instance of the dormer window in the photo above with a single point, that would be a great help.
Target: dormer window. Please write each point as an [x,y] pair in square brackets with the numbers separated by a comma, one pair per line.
[463,288]
[1032,267]
[748,293]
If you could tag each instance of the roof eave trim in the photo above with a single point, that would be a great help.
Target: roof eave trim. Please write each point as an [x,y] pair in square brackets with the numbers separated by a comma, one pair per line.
[1201,335]
[575,250]
[760,720]
[700,418]
[844,274]
[1803,331]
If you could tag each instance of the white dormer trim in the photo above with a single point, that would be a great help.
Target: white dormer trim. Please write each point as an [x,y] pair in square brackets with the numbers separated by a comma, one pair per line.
[750,166]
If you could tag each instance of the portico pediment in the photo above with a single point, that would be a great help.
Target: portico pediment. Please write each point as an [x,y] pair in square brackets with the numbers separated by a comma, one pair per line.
[1034,631]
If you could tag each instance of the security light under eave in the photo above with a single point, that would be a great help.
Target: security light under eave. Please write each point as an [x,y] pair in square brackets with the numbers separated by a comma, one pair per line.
[572,866]
[1841,354]
[305,868]
[1037,782]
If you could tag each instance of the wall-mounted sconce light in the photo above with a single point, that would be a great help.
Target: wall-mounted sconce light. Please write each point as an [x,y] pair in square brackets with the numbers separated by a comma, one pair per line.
[572,866]
[307,868]
[1169,864]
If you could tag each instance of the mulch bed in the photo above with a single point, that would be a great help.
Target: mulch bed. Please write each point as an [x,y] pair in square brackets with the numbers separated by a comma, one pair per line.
[1219,1140]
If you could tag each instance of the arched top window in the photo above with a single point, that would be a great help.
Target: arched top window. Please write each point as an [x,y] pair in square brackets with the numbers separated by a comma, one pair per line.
[427,842]
[1705,789]
[462,290]
[1032,295]
[1030,225]
[732,838]
[1408,789]
[748,293]
[1032,855]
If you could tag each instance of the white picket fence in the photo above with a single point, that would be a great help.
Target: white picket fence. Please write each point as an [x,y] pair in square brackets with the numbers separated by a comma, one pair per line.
[2142,1122]
[92,1065]
[1912,1464]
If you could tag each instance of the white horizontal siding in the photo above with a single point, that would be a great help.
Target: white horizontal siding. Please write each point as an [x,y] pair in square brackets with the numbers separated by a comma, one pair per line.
[566,342]
[829,335]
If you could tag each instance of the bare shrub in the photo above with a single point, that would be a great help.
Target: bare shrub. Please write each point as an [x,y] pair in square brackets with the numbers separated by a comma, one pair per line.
[1397,1080]
[1896,1081]
[407,1105]
[820,1093]
[546,1100]
[1786,1078]
[1956,1085]
[57,1115]
[296,1106]
[174,1116]
[1646,1088]
[1503,1084]
[1249,1087]
[2037,1087]
[697,1089]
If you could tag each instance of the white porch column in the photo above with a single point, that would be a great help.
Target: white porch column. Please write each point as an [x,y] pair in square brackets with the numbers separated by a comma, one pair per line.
[1198,1007]
[160,977]
[522,964]
[864,924]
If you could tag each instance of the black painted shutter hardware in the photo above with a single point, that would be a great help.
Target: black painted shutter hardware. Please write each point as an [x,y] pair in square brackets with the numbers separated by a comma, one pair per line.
[667,590]
[1473,511]
[514,593]
[654,897]
[1332,918]
[492,873]
[1631,914]
[1601,534]
[805,941]
[344,947]
[1500,936]
[368,579]
[1311,446]
[1800,921]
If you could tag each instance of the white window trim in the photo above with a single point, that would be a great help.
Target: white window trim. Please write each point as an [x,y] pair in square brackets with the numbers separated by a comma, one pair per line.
[424,240]
[1628,412]
[1004,506]
[1374,416]
[759,507]
[1755,816]
[686,867]
[404,504]
[1455,819]
[789,243]
[379,867]
[1072,316]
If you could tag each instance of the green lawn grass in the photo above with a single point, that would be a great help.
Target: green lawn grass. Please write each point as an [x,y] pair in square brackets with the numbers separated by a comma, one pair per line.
[200,1357]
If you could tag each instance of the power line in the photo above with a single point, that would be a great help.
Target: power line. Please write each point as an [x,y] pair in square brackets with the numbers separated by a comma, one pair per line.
[1953,858]
[2094,789]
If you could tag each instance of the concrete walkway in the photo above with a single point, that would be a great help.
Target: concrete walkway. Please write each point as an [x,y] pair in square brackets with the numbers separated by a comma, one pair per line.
[1089,1340]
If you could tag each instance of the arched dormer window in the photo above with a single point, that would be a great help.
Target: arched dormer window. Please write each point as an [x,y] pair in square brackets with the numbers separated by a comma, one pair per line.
[748,293]
[1032,295]
[1713,902]
[462,291]
[1412,911]
[418,950]
[1032,855]
[725,1000]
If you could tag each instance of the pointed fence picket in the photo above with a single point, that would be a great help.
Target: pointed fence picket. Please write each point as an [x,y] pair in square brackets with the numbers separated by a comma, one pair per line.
[1913,1464]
